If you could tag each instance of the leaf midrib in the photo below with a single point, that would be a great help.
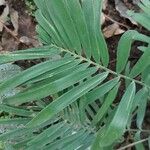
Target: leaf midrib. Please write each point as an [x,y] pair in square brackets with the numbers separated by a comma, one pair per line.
[102,67]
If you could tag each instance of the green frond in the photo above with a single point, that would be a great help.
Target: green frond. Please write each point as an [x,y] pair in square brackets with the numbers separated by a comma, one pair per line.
[142,17]
[69,102]
[70,28]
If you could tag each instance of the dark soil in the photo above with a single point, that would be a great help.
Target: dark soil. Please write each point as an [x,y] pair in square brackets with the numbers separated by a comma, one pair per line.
[27,26]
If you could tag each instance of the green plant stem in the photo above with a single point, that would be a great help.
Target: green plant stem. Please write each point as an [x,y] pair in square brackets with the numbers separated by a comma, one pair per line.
[103,68]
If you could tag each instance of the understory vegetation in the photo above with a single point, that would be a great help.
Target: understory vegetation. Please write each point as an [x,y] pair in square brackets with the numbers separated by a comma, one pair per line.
[73,99]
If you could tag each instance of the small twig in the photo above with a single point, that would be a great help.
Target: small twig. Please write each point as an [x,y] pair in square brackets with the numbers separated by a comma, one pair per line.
[141,130]
[112,20]
[10,32]
[133,144]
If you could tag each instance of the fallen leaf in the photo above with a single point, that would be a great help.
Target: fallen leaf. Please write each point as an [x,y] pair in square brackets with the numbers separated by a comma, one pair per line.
[4,13]
[25,40]
[8,42]
[26,26]
[122,9]
[30,41]
[105,2]
[14,19]
[112,30]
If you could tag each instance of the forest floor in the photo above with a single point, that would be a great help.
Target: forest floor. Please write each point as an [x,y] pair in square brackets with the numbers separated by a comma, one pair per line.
[19,31]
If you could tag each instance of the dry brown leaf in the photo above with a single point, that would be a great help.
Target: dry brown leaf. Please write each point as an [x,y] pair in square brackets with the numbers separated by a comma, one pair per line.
[102,14]
[112,30]
[3,16]
[105,2]
[8,42]
[14,19]
[122,9]
[30,41]
[25,40]
[26,26]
